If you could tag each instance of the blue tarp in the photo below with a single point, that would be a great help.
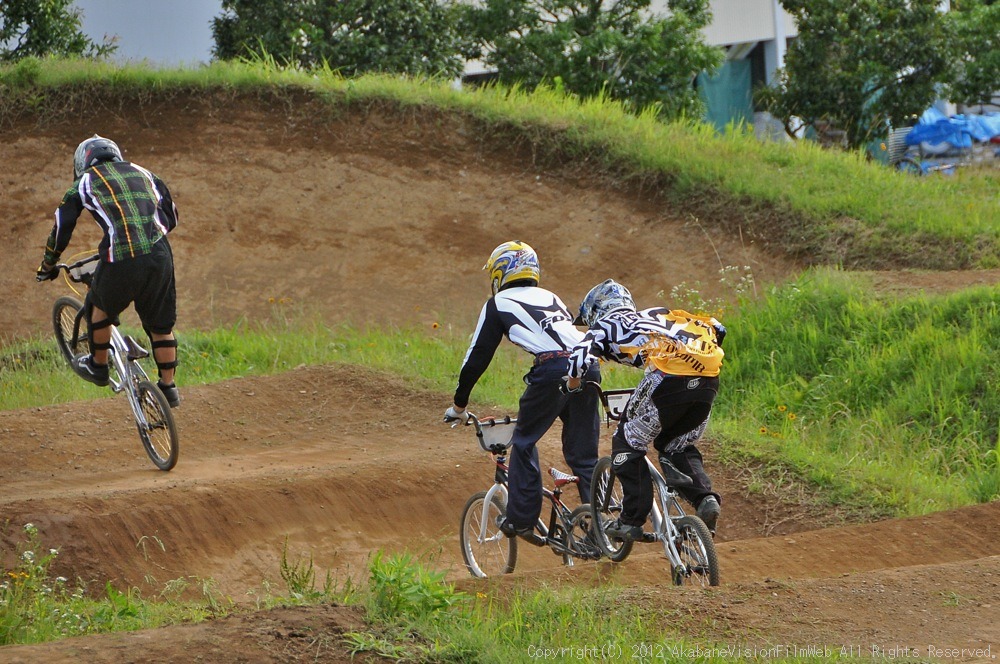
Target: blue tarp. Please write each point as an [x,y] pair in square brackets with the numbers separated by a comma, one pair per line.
[936,132]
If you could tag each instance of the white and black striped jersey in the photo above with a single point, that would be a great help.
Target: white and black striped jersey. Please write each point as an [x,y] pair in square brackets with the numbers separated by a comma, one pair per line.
[531,317]
[629,337]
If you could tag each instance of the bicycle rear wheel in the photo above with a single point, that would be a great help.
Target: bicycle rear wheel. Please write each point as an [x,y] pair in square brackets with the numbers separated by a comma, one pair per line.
[606,505]
[71,336]
[158,433]
[699,561]
[487,552]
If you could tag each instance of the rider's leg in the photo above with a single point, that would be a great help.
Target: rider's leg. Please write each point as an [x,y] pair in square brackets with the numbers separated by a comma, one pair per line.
[581,433]
[538,408]
[684,405]
[707,502]
[100,336]
[165,355]
[689,462]
[156,304]
[632,470]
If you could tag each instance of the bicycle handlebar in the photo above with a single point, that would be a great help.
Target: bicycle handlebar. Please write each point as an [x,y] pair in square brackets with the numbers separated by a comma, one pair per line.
[73,271]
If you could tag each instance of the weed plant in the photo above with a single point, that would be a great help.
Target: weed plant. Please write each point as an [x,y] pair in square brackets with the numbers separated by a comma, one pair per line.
[414,615]
[36,606]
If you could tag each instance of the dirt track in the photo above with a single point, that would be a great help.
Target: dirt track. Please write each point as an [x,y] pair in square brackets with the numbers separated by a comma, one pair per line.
[375,219]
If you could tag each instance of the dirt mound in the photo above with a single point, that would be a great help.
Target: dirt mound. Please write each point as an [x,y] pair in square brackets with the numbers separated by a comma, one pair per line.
[388,219]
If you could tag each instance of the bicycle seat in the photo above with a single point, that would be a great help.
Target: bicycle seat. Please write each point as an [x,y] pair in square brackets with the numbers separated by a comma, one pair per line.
[561,478]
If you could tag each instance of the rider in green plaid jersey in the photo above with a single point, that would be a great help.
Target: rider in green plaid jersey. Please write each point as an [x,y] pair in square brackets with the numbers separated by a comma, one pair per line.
[134,209]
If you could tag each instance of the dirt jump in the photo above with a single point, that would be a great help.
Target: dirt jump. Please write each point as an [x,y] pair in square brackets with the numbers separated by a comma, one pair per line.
[388,218]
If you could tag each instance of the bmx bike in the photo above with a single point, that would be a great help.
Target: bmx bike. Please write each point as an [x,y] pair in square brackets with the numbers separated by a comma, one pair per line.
[686,540]
[487,551]
[150,409]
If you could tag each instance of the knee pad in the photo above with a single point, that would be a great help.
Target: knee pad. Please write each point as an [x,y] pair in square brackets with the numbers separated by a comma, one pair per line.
[164,343]
[99,325]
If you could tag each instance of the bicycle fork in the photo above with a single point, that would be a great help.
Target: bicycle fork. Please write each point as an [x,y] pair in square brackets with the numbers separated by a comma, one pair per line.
[484,524]
[123,351]
[668,534]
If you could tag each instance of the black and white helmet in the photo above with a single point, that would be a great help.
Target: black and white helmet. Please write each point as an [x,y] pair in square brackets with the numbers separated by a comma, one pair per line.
[602,299]
[93,151]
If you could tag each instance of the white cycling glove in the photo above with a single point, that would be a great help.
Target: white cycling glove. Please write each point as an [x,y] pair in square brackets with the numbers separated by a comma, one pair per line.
[452,415]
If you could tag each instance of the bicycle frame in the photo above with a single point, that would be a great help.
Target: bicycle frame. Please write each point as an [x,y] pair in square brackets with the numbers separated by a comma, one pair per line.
[671,526]
[559,511]
[124,349]
[561,517]
[664,528]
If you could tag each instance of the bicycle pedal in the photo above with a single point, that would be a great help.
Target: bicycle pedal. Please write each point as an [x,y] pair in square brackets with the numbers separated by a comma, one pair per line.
[534,539]
[649,538]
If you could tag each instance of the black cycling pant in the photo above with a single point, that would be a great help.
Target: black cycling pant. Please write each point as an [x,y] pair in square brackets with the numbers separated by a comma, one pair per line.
[541,403]
[147,281]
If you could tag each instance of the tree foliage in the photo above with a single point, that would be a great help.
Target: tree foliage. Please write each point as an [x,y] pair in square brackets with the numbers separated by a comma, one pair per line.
[617,48]
[38,28]
[977,27]
[418,37]
[865,65]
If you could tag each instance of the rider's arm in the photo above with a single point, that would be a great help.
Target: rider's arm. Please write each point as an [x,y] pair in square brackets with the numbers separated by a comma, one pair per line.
[489,333]
[62,230]
[585,353]
[166,204]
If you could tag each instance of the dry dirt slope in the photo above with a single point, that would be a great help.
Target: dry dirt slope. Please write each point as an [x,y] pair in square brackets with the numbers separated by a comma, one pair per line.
[389,219]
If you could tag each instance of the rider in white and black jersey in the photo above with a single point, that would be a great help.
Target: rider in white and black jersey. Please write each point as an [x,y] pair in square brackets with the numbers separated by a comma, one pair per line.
[536,320]
[670,407]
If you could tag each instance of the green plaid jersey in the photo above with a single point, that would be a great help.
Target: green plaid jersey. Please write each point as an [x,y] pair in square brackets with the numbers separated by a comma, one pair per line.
[131,205]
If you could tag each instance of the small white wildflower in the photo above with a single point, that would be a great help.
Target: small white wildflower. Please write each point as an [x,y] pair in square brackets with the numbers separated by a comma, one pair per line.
[60,579]
[29,527]
[29,556]
[53,552]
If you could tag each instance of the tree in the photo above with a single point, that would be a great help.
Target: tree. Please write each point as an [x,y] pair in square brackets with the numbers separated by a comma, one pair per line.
[866,65]
[591,47]
[37,28]
[418,37]
[977,27]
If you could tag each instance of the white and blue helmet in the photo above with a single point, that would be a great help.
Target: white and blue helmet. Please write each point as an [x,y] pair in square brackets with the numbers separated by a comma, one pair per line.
[510,262]
[602,299]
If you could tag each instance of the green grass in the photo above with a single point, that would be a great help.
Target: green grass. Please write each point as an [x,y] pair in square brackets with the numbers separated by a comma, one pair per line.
[33,373]
[826,206]
[886,402]
[412,614]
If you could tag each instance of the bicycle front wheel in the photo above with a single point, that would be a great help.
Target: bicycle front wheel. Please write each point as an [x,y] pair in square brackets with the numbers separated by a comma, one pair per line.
[71,335]
[158,432]
[487,551]
[699,563]
[606,505]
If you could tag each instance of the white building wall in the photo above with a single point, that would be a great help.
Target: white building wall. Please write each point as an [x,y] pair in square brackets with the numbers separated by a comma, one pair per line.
[742,21]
